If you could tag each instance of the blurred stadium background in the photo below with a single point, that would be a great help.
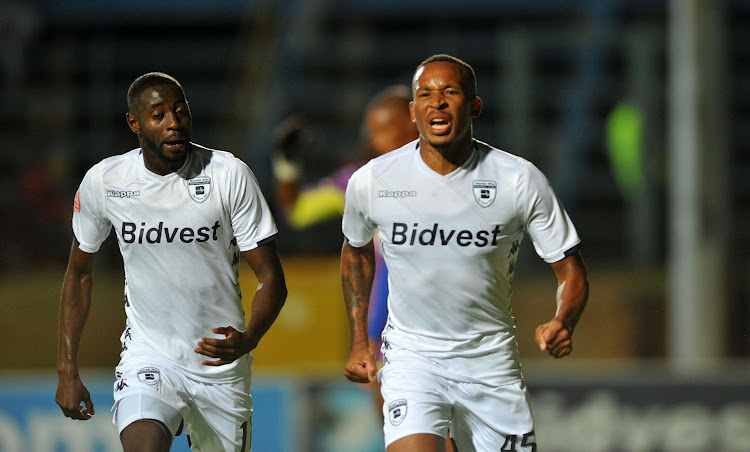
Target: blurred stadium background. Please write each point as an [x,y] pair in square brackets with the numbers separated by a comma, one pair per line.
[637,110]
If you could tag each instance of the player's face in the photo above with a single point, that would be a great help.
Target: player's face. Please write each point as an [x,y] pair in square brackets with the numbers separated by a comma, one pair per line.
[441,109]
[389,129]
[163,124]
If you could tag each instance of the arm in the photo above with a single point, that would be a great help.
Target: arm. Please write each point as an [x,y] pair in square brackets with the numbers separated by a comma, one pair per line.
[357,274]
[556,336]
[75,304]
[267,303]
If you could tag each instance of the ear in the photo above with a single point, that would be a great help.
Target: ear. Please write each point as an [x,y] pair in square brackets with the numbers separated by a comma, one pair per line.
[476,107]
[411,111]
[133,123]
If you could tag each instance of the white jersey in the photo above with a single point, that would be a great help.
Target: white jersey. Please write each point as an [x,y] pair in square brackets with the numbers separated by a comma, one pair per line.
[450,244]
[180,236]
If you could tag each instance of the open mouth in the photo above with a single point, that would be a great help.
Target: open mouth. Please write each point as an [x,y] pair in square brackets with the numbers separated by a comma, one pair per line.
[439,126]
[175,145]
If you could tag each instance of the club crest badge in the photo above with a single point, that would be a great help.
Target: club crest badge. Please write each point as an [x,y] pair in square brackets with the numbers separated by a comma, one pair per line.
[397,411]
[484,192]
[149,375]
[199,188]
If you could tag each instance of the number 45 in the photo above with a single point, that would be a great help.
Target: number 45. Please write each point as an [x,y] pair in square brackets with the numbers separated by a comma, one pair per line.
[527,440]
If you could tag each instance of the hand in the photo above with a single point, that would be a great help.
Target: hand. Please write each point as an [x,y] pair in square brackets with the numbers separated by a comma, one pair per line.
[361,367]
[555,338]
[234,346]
[71,394]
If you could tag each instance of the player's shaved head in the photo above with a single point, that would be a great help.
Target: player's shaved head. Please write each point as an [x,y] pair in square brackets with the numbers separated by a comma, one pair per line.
[395,97]
[387,119]
[468,77]
[147,81]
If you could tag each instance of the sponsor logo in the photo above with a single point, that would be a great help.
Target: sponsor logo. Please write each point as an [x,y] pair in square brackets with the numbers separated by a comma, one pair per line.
[149,375]
[485,191]
[402,234]
[122,193]
[199,188]
[77,202]
[120,385]
[131,233]
[397,411]
[396,194]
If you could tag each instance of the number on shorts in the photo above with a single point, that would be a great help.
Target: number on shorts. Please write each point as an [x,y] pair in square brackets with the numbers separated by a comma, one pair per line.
[527,440]
[510,444]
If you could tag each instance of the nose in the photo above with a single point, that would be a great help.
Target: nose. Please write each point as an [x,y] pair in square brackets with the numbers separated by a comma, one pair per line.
[173,121]
[437,101]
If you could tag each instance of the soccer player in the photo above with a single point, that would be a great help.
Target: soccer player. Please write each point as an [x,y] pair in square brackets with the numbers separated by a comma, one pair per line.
[450,212]
[183,215]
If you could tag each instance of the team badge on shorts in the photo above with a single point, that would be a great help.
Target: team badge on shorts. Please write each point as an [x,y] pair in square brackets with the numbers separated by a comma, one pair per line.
[149,375]
[397,411]
[199,188]
[484,192]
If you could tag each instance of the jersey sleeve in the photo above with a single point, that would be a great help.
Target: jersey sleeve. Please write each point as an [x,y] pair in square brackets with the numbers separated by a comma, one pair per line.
[90,226]
[355,225]
[252,221]
[547,223]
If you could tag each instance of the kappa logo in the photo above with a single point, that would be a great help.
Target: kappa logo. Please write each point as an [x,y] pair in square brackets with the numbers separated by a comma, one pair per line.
[122,193]
[397,193]
[485,191]
[397,411]
[199,188]
[149,375]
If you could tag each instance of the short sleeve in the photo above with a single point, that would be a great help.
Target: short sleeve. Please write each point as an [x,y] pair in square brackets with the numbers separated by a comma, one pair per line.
[90,225]
[355,225]
[547,223]
[252,221]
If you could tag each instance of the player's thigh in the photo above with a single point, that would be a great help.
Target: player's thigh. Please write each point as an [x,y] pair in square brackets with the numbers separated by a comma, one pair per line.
[221,418]
[147,388]
[146,435]
[414,402]
[489,417]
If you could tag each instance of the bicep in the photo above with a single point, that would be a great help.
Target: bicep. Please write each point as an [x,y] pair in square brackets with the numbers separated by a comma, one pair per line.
[81,262]
[570,268]
[363,255]
[264,261]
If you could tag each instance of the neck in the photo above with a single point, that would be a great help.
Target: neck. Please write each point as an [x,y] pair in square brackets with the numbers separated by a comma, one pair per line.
[445,159]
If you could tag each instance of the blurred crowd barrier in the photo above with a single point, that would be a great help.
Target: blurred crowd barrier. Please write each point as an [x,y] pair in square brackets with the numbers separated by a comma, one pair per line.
[635,411]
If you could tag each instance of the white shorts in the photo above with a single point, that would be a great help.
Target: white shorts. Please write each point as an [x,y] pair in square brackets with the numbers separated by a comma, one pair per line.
[216,416]
[479,417]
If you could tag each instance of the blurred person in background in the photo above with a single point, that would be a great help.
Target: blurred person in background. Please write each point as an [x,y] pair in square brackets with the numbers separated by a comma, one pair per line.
[450,212]
[387,126]
[183,214]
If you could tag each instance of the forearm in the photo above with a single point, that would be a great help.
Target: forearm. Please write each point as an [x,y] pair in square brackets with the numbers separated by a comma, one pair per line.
[357,274]
[573,291]
[75,304]
[266,305]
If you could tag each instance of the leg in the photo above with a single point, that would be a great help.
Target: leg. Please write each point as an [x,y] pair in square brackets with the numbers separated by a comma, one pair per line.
[146,423]
[146,436]
[417,408]
[490,417]
[420,442]
[221,419]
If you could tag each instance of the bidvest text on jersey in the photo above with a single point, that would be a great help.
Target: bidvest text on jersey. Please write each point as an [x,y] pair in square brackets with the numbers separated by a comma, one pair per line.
[134,234]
